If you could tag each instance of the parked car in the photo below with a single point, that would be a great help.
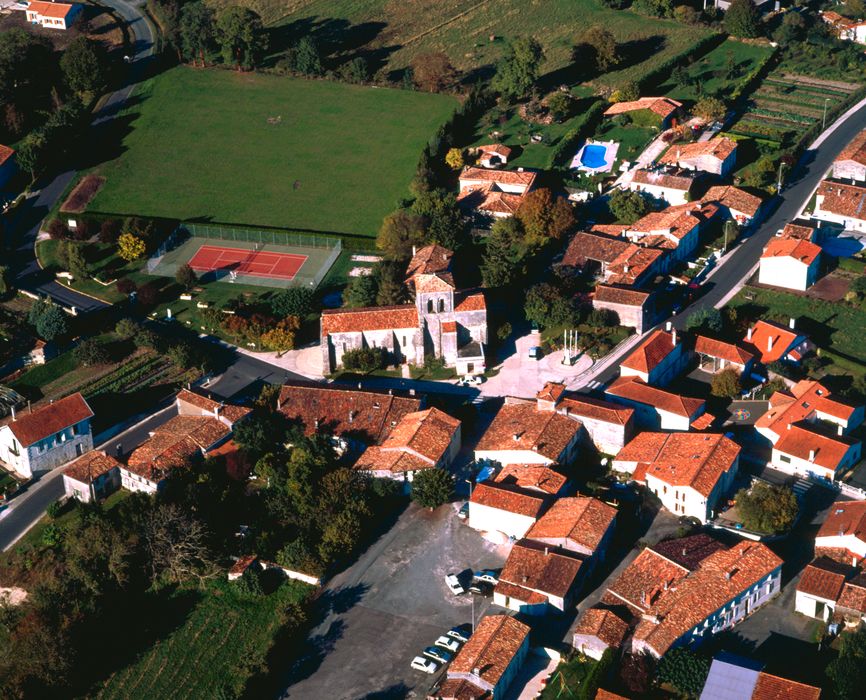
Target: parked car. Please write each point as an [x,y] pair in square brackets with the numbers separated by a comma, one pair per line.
[475,379]
[481,588]
[453,584]
[486,575]
[463,513]
[535,352]
[438,654]
[461,633]
[422,663]
[448,643]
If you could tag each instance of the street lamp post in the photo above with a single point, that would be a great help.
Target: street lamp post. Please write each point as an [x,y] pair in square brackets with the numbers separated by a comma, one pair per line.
[824,118]
[469,481]
[727,228]
[779,184]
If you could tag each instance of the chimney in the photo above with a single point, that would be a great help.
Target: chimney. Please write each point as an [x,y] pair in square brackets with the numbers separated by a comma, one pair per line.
[749,333]
[839,430]
[476,671]
[279,402]
[546,551]
[727,575]
[812,455]
[674,337]
[13,414]
[789,426]
[516,437]
[684,551]
[316,424]
[668,326]
[625,267]
[411,392]
[351,416]
[769,343]
[792,323]
[216,411]
[414,251]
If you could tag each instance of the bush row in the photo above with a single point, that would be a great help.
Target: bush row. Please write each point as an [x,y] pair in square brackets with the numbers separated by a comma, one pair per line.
[756,74]
[663,72]
[565,148]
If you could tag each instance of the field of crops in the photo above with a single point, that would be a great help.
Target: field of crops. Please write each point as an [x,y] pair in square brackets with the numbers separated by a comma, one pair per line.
[785,106]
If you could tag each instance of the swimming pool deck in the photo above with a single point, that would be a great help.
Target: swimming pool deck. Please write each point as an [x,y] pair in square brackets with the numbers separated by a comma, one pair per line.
[611,148]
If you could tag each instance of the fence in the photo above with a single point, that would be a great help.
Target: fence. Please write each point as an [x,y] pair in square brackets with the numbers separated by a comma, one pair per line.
[321,252]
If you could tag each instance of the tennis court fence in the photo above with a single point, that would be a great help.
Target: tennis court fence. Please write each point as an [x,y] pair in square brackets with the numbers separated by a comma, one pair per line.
[182,244]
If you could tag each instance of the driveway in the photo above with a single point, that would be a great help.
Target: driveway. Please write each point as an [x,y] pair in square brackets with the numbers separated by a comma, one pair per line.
[381,612]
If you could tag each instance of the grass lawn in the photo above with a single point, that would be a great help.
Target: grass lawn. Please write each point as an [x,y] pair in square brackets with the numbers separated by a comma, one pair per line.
[199,146]
[710,74]
[473,33]
[41,375]
[566,679]
[222,641]
[631,139]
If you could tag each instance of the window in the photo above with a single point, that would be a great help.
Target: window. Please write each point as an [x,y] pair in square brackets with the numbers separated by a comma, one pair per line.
[429,306]
[76,429]
[404,341]
[664,489]
[785,458]
[441,305]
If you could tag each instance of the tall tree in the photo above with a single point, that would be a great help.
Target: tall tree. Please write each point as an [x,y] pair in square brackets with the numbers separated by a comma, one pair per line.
[544,217]
[32,152]
[85,66]
[501,262]
[442,217]
[401,230]
[241,37]
[307,58]
[597,46]
[197,31]
[742,19]
[517,72]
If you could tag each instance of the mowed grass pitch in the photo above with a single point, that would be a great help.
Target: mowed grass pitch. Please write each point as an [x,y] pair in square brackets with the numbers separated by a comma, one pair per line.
[200,145]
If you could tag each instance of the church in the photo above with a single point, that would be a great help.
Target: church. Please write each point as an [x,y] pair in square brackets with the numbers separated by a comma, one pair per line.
[443,322]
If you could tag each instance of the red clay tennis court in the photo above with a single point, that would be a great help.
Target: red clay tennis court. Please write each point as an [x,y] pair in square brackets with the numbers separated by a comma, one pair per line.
[247,262]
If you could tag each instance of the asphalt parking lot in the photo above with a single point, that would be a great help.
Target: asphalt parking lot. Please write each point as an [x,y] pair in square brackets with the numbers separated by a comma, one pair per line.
[393,602]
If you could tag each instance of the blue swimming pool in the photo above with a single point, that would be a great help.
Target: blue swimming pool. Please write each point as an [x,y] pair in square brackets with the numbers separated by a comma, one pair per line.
[593,156]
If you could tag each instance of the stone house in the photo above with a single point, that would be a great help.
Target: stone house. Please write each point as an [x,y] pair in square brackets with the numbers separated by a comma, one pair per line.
[670,187]
[493,155]
[790,263]
[493,194]
[771,342]
[841,203]
[842,536]
[739,205]
[850,164]
[647,110]
[597,630]
[658,360]
[675,230]
[43,439]
[507,508]
[828,590]
[92,477]
[716,355]
[634,308]
[717,156]
[53,15]
[443,322]
[655,408]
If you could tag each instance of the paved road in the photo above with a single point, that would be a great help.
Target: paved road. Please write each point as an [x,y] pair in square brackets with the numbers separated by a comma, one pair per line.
[799,186]
[24,225]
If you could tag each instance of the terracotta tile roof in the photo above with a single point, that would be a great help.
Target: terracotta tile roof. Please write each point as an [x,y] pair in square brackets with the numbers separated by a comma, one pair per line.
[56,10]
[689,551]
[627,296]
[843,199]
[658,178]
[613,230]
[762,331]
[633,389]
[5,153]
[603,624]
[498,149]
[719,579]
[90,466]
[856,148]
[533,477]
[425,434]
[551,391]
[30,428]
[720,147]
[488,198]
[803,251]
[853,596]
[674,223]
[702,422]
[733,198]
[731,352]
[581,519]
[802,443]
[644,580]
[799,231]
[633,264]
[342,410]
[449,327]
[845,518]
[663,106]
[229,411]
[242,564]
[607,695]
[173,444]
[593,246]
[803,401]
[440,282]
[774,688]
[430,260]
[651,352]
[533,567]
[523,178]
[682,459]
[461,689]
[509,498]
[491,649]
[823,578]
[371,318]
[587,407]
[375,459]
[470,301]
[524,427]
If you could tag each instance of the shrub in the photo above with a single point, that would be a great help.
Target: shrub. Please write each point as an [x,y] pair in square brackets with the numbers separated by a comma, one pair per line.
[767,507]
[57,229]
[109,231]
[90,352]
[250,583]
[148,295]
[365,359]
[126,285]
[126,328]
[295,301]
[432,488]
[603,318]
[186,277]
[53,510]
[726,384]
[684,670]
[504,331]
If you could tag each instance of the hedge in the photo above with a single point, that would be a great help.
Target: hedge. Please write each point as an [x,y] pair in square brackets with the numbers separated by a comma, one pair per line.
[663,71]
[757,73]
[570,139]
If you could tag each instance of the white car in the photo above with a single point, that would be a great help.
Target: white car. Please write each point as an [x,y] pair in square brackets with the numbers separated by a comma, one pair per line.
[486,576]
[461,633]
[422,663]
[448,643]
[453,584]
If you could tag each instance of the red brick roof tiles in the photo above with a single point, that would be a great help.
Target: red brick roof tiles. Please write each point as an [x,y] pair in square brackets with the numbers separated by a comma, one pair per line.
[633,389]
[533,477]
[799,231]
[774,688]
[845,518]
[583,406]
[491,649]
[57,10]
[30,428]
[470,301]
[733,198]
[842,198]
[682,181]
[627,296]
[524,427]
[580,519]
[593,246]
[720,147]
[783,338]
[635,262]
[231,412]
[551,391]
[856,148]
[801,402]
[823,450]
[731,352]
[429,260]
[498,149]
[603,624]
[90,466]
[508,498]
[651,353]
[369,319]
[662,106]
[642,581]
[853,596]
[524,178]
[534,567]
[823,578]
[5,153]
[802,251]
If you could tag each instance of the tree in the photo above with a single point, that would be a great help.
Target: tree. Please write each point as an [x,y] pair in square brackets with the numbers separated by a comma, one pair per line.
[684,670]
[709,109]
[109,230]
[560,104]
[500,265]
[705,319]
[181,354]
[626,92]
[90,352]
[176,545]
[365,359]
[847,671]
[454,158]
[48,319]
[546,306]
[767,508]
[391,287]
[126,328]
[294,301]
[686,14]
[401,230]
[858,286]
[355,71]
[597,46]
[544,217]
[627,206]
[84,64]
[761,173]
[432,488]
[281,338]
[5,281]
[360,292]
[130,247]
[433,71]
[31,153]
[726,384]
[654,8]
[517,72]
[442,219]
[241,36]
[307,58]
[742,19]
[197,31]
[186,277]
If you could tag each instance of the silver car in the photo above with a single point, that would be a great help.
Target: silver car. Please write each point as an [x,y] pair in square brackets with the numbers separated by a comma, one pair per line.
[448,643]
[422,663]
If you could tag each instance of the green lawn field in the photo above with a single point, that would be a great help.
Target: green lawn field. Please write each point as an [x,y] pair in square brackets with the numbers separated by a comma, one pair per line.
[263,150]
[472,32]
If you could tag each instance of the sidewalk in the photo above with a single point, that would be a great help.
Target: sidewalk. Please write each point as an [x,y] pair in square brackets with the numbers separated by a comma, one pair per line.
[304,361]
